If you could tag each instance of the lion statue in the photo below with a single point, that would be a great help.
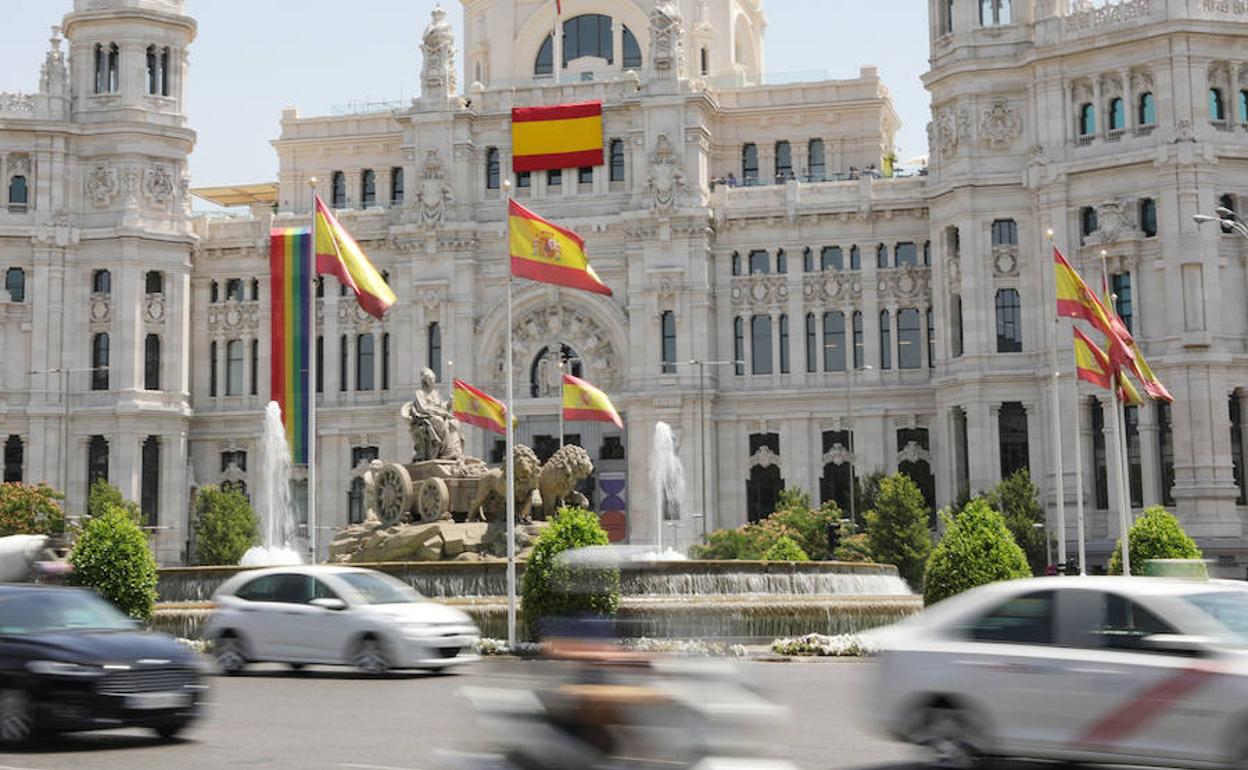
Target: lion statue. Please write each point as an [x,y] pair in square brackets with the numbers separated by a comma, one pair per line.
[490,503]
[560,476]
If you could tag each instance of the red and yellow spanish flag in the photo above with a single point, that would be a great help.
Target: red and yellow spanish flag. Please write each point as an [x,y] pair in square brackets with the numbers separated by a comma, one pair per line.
[582,401]
[1150,381]
[545,252]
[1091,363]
[1130,355]
[1075,299]
[476,407]
[290,279]
[339,255]
[557,137]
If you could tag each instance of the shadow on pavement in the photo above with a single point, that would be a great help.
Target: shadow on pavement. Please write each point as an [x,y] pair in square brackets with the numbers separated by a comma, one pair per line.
[330,674]
[63,743]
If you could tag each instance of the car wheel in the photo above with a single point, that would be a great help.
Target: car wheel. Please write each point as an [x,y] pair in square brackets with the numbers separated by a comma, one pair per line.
[17,716]
[949,734]
[370,657]
[230,654]
[170,730]
[296,666]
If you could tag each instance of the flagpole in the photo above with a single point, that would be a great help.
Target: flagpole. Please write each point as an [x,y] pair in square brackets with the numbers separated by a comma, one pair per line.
[1058,470]
[311,353]
[556,52]
[1083,551]
[1120,447]
[511,433]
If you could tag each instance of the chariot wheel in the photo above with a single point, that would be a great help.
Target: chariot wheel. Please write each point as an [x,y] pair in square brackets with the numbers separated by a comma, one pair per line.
[395,493]
[433,499]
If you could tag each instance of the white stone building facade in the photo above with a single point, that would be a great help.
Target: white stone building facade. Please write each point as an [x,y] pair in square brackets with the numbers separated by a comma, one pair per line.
[734,219]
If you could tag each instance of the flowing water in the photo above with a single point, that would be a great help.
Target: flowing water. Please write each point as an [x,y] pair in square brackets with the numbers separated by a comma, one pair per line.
[667,481]
[274,504]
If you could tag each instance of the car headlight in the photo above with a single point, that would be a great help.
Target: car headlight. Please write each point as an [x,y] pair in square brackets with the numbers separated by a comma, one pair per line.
[62,668]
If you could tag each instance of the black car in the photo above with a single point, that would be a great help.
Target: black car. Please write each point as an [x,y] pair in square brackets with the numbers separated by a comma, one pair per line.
[71,661]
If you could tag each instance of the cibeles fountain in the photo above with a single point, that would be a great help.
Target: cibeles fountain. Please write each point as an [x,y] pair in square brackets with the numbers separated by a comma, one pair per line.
[667,483]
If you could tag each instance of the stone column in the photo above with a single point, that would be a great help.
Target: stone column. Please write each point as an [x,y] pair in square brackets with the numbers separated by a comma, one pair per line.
[1150,461]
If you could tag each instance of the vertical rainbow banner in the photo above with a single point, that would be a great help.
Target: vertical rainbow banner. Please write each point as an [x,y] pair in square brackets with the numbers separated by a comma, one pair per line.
[290,263]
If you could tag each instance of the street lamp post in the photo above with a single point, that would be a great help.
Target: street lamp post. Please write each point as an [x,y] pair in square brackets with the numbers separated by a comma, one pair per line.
[702,428]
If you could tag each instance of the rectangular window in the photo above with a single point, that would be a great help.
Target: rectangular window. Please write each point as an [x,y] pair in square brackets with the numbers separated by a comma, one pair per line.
[738,345]
[234,368]
[149,496]
[909,344]
[493,171]
[396,186]
[14,456]
[906,254]
[365,362]
[784,343]
[585,175]
[99,361]
[830,258]
[1237,447]
[760,262]
[1148,217]
[1135,479]
[1165,453]
[344,359]
[434,339]
[855,258]
[955,325]
[1009,322]
[834,341]
[617,160]
[1012,436]
[368,188]
[962,443]
[212,369]
[818,166]
[749,163]
[931,339]
[255,367]
[320,364]
[97,459]
[760,345]
[1121,283]
[360,456]
[524,180]
[1004,232]
[784,161]
[385,361]
[15,284]
[946,17]
[151,362]
[554,177]
[1099,467]
[667,322]
[812,343]
[859,349]
[886,340]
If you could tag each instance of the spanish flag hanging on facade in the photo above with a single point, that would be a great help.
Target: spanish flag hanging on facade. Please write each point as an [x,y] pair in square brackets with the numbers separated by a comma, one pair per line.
[545,252]
[476,407]
[556,137]
[339,255]
[582,401]
[290,279]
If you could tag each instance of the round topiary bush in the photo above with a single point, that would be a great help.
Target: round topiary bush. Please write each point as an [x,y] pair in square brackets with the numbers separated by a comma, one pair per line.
[554,589]
[1157,534]
[785,549]
[112,557]
[225,526]
[977,549]
[897,528]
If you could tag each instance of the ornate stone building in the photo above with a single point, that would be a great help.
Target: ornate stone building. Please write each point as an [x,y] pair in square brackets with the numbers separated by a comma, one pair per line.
[737,218]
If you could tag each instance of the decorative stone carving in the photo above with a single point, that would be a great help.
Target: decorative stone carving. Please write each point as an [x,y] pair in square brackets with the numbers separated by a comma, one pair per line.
[438,48]
[953,273]
[18,103]
[1115,221]
[434,429]
[434,192]
[158,184]
[1084,15]
[101,310]
[234,316]
[837,455]
[556,323]
[54,75]
[764,458]
[760,292]
[1000,124]
[913,453]
[1005,261]
[667,181]
[101,185]
[19,164]
[352,313]
[154,308]
[904,283]
[667,38]
[951,126]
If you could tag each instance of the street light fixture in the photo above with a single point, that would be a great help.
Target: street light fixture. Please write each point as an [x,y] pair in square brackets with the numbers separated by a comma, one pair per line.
[1228,219]
[702,428]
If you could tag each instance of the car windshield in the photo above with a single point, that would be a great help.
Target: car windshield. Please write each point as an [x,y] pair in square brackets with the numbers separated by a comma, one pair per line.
[380,589]
[39,612]
[1229,608]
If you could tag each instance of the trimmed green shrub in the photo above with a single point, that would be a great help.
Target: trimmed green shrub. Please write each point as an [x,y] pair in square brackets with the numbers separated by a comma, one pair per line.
[809,524]
[103,496]
[112,557]
[897,528]
[855,547]
[225,526]
[27,510]
[977,549]
[553,589]
[1018,500]
[785,549]
[1157,534]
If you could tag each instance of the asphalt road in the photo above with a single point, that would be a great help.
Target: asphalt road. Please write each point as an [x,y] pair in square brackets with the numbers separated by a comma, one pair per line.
[334,719]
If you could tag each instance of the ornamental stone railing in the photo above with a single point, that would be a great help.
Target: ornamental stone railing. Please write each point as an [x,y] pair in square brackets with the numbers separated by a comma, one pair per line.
[17,105]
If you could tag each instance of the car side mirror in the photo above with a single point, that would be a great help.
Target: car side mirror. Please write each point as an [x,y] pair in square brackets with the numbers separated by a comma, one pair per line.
[1179,644]
[337,605]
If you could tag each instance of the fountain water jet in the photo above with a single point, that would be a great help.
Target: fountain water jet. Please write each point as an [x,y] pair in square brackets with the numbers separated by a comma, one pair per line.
[667,480]
[274,504]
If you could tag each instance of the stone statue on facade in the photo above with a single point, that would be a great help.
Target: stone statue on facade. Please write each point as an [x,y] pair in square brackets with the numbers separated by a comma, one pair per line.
[667,38]
[434,429]
[434,192]
[438,47]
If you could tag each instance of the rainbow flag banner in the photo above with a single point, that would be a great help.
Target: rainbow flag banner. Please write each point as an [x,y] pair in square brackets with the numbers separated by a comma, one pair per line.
[556,137]
[290,263]
[582,401]
[476,407]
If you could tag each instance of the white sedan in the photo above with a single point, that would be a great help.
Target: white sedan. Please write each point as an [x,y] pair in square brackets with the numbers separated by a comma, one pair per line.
[335,615]
[1140,671]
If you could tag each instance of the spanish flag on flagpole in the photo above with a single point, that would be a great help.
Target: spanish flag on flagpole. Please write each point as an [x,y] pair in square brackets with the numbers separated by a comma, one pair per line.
[476,407]
[1093,365]
[582,401]
[545,252]
[339,255]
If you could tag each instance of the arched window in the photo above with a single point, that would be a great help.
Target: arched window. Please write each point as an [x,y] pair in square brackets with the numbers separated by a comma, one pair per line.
[368,188]
[106,63]
[1009,322]
[855,258]
[1117,114]
[1147,110]
[154,282]
[101,282]
[1217,105]
[493,170]
[736,263]
[234,368]
[149,481]
[385,361]
[365,362]
[97,459]
[738,345]
[994,13]
[1004,232]
[433,337]
[927,253]
[1087,120]
[15,284]
[396,185]
[212,369]
[344,359]
[545,62]
[834,341]
[830,258]
[759,262]
[254,388]
[1012,434]
[812,344]
[782,262]
[158,71]
[784,161]
[617,160]
[818,168]
[886,340]
[588,35]
[859,351]
[704,57]
[760,344]
[14,458]
[19,194]
[909,344]
[1226,201]
[667,322]
[784,343]
[749,163]
[1243,106]
[543,380]
[632,51]
[808,260]
[151,362]
[99,361]
[254,294]
[1148,217]
[214,292]
[881,256]
[338,190]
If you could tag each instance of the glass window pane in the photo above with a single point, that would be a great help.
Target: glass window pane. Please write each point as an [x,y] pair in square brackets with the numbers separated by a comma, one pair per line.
[760,344]
[909,350]
[834,342]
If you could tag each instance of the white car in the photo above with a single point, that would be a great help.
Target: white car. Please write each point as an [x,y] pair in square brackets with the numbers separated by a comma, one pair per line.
[335,615]
[1140,671]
